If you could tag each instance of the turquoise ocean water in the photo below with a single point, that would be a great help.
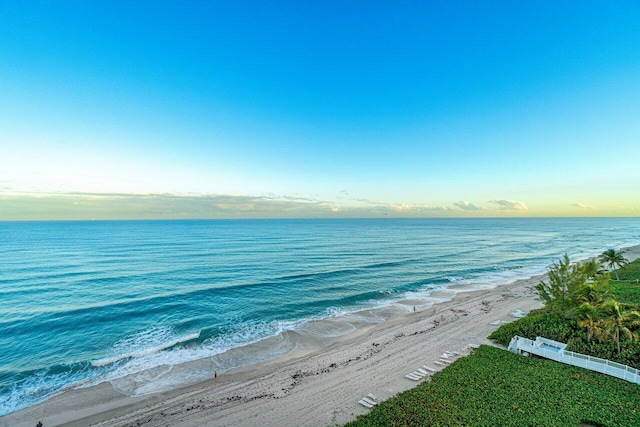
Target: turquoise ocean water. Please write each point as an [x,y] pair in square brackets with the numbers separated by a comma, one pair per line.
[87,302]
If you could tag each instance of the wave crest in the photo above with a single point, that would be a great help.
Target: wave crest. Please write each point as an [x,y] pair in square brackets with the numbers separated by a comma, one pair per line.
[145,343]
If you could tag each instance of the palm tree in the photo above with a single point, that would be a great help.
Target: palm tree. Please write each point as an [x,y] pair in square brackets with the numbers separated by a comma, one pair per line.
[593,293]
[592,269]
[613,258]
[589,317]
[615,320]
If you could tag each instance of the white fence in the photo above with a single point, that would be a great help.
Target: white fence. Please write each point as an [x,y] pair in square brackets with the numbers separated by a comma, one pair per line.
[556,351]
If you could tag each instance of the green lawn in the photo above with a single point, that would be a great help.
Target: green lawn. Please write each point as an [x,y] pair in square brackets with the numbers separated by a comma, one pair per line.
[493,387]
[627,289]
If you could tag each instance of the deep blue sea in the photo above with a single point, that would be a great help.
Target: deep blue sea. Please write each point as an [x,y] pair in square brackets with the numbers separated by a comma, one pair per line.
[87,302]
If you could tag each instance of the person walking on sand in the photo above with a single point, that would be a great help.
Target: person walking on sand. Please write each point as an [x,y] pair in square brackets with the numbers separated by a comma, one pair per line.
[215,376]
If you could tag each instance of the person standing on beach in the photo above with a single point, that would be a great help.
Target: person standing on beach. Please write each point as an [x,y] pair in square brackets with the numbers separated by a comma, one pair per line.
[215,376]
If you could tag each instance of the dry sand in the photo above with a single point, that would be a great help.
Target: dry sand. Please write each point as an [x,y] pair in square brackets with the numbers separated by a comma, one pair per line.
[318,388]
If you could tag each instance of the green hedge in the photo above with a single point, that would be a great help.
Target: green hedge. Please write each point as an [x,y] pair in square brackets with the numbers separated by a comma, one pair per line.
[538,323]
[493,387]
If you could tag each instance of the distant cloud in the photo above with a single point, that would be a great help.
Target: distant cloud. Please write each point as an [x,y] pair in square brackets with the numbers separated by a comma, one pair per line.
[416,208]
[32,205]
[300,199]
[509,205]
[80,205]
[398,207]
[583,206]
[29,206]
[368,202]
[466,206]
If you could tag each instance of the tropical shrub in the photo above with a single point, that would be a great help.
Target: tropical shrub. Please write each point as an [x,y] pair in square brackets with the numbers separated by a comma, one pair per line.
[564,280]
[587,318]
[550,325]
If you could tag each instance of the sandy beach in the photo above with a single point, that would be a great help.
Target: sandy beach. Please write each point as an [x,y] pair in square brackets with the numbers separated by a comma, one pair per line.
[309,387]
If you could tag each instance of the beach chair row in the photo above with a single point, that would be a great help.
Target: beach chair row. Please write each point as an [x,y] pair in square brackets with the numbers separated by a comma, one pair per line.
[369,401]
[420,373]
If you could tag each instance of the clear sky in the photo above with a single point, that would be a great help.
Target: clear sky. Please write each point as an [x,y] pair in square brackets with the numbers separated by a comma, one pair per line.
[206,109]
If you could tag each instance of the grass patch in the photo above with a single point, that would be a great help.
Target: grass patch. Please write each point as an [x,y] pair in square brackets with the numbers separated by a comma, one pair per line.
[627,289]
[630,272]
[494,387]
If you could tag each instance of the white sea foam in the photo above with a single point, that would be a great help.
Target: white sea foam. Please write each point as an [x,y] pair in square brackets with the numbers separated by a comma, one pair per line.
[130,375]
[153,371]
[145,343]
[340,312]
[37,387]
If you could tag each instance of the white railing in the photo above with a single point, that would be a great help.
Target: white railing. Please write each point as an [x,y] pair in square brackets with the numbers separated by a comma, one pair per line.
[537,347]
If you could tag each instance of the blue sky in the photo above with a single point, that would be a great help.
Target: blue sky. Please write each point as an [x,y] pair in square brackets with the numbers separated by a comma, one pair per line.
[268,109]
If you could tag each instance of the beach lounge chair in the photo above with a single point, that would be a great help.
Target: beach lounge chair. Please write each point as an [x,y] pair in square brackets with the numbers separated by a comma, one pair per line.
[369,401]
[448,362]
[365,404]
[495,322]
[428,368]
[372,397]
[437,362]
[422,371]
[413,377]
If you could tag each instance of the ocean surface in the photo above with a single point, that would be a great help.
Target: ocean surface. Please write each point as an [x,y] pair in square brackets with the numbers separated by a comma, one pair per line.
[135,302]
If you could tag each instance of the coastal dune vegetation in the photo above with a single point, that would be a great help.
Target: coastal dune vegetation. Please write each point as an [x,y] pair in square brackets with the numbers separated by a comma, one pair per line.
[584,307]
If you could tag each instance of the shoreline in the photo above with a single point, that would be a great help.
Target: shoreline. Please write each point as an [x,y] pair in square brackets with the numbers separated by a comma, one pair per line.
[312,386]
